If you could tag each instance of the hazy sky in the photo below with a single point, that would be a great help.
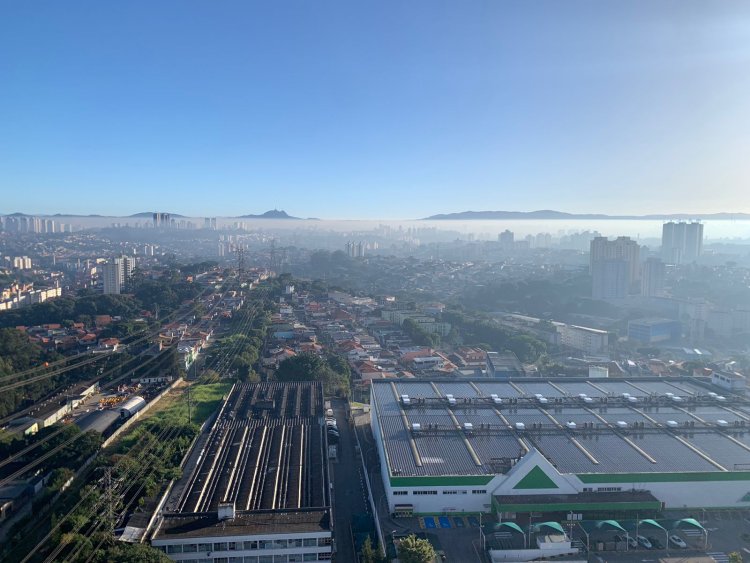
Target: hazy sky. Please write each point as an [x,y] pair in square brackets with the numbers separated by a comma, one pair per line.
[374,109]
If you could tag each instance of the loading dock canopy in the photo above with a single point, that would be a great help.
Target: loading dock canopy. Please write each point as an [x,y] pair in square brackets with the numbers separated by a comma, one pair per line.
[553,525]
[636,526]
[581,502]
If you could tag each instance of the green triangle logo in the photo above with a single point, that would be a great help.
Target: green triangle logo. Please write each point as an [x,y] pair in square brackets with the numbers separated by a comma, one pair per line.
[536,479]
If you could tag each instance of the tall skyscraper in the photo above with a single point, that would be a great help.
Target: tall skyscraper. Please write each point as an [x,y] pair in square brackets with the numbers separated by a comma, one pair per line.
[115,273]
[681,242]
[506,239]
[652,280]
[609,279]
[621,249]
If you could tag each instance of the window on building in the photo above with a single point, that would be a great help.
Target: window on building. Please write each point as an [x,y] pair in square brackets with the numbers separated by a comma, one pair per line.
[220,546]
[424,492]
[324,556]
[400,493]
[324,542]
[296,542]
[310,542]
[251,558]
[251,545]
[265,544]
[235,560]
[478,492]
[189,548]
[174,548]
[205,547]
[232,546]
[279,544]
[310,557]
[450,492]
[295,558]
[280,559]
[265,559]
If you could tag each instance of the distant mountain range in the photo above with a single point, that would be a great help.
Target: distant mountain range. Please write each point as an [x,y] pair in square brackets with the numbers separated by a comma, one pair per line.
[548,214]
[273,214]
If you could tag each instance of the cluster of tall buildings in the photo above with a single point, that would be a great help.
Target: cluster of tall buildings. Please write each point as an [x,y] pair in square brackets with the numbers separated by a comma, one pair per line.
[17,262]
[357,249]
[681,242]
[617,270]
[115,273]
[29,224]
[162,220]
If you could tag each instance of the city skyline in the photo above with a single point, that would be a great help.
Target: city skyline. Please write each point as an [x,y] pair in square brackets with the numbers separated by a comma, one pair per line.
[348,111]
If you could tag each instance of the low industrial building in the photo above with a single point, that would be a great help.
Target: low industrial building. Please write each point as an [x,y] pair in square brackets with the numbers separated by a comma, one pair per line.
[255,488]
[589,447]
[652,330]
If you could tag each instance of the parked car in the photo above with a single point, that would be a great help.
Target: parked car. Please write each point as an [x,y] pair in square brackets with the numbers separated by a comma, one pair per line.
[643,542]
[677,541]
[632,544]
[655,542]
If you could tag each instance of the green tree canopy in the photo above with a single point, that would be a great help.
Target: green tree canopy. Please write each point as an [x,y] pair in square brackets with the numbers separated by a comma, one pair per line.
[415,550]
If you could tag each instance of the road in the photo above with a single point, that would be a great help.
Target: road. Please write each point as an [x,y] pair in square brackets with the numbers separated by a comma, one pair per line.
[349,495]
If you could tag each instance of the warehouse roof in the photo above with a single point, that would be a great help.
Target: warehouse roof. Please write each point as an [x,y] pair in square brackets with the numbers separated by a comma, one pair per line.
[442,428]
[264,452]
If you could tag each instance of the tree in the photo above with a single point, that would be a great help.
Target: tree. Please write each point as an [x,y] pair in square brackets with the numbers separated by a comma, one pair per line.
[735,557]
[302,367]
[369,554]
[415,550]
[132,553]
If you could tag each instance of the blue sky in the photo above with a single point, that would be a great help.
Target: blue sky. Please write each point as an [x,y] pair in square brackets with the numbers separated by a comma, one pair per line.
[374,109]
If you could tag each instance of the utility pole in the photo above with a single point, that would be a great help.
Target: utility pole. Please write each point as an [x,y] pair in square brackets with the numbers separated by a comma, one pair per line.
[190,418]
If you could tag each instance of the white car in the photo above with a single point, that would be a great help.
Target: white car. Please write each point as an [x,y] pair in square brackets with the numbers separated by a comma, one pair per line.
[643,542]
[676,540]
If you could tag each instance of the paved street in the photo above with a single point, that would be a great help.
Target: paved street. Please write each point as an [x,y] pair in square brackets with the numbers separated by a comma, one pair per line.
[349,495]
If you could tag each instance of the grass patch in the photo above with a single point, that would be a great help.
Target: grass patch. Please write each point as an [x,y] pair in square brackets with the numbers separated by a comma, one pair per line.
[204,400]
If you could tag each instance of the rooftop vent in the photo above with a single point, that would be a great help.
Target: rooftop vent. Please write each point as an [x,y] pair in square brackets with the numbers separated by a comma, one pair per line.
[722,423]
[468,427]
[570,424]
[672,424]
[416,427]
[226,511]
[495,399]
[621,424]
[520,426]
[405,399]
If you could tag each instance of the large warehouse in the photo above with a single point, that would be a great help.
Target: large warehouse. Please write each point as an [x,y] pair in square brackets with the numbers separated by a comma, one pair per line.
[256,488]
[562,445]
